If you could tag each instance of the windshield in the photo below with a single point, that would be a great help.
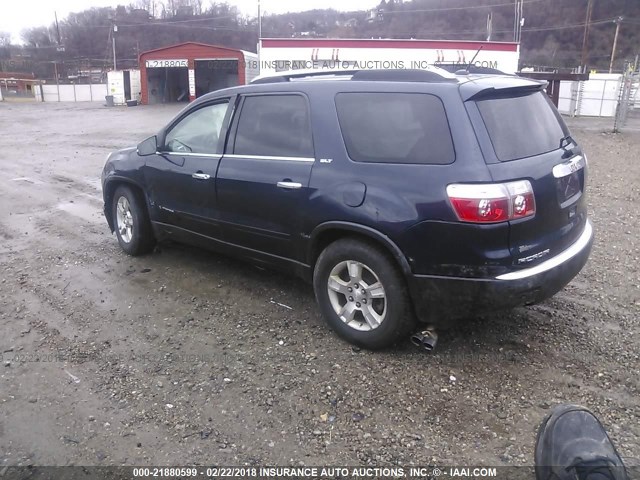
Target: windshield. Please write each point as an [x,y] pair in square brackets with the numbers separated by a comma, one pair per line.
[522,126]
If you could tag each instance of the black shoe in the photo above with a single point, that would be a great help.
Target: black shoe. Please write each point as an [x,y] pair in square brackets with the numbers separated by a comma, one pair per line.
[572,444]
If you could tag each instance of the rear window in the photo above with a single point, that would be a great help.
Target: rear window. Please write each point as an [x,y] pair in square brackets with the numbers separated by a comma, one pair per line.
[395,128]
[521,126]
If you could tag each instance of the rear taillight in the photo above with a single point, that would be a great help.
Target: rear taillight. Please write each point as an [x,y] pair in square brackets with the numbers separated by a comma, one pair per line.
[492,202]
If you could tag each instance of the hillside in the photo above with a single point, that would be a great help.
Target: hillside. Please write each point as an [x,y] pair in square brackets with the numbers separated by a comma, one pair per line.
[552,34]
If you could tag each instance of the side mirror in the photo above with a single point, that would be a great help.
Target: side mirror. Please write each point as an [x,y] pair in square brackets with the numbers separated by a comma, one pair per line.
[148,147]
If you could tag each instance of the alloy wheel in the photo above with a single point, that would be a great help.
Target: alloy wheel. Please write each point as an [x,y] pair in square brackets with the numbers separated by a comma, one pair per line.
[357,296]
[124,219]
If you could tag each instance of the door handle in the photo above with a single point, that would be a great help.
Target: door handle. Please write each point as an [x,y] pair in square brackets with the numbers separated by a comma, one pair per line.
[201,176]
[290,185]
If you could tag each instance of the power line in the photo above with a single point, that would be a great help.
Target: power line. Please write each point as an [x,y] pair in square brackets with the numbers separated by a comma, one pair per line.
[191,27]
[251,29]
[165,22]
[447,9]
[530,29]
[562,27]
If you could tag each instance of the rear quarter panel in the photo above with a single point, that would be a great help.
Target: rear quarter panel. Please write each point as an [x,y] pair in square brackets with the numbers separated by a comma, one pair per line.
[407,203]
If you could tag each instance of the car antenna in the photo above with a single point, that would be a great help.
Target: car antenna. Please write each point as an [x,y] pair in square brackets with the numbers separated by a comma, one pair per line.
[474,57]
[465,71]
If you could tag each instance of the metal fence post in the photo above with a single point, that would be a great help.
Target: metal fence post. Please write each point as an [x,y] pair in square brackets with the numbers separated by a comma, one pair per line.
[624,99]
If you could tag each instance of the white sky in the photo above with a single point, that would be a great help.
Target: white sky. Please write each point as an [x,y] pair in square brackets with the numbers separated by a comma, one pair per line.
[18,15]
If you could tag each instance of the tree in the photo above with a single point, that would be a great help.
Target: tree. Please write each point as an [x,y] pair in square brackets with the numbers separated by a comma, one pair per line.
[5,39]
[38,36]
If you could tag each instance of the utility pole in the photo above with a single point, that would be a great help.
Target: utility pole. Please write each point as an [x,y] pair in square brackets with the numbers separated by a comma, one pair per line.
[618,21]
[489,26]
[113,38]
[585,39]
[55,70]
[57,28]
[515,22]
[259,27]
[518,21]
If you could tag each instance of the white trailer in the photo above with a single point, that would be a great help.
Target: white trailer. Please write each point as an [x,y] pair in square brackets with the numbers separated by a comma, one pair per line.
[281,54]
[124,85]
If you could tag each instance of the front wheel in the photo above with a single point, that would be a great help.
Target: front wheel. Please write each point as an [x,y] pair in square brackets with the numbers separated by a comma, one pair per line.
[362,295]
[131,221]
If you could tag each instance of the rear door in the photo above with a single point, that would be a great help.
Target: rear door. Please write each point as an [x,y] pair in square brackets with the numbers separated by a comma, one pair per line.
[524,137]
[263,179]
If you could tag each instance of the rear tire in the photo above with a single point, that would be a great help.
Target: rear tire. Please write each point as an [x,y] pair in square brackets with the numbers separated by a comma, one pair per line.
[362,295]
[131,222]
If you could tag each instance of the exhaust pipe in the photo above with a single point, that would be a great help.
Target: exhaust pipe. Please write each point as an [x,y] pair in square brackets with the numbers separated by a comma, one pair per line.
[426,339]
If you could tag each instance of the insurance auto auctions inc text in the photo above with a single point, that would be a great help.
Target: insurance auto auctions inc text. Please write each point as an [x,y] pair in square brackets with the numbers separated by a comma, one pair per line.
[375,472]
[285,65]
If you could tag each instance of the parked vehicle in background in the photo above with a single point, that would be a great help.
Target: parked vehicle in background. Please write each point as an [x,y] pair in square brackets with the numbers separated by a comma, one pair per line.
[405,196]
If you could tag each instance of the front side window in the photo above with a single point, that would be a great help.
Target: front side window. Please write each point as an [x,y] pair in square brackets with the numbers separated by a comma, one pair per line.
[274,126]
[199,131]
[395,128]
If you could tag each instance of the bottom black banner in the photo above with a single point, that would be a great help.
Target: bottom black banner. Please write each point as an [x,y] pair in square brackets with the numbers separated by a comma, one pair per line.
[267,472]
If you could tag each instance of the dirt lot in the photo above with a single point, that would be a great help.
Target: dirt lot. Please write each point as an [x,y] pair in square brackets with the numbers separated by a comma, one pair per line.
[181,358]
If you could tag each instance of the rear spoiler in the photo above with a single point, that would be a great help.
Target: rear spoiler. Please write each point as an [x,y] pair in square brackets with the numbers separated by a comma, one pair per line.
[492,86]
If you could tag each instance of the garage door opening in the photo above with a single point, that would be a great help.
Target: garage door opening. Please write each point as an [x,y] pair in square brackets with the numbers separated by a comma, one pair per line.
[168,85]
[212,75]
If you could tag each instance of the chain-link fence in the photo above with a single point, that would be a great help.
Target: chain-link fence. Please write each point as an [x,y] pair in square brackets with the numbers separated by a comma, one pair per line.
[628,101]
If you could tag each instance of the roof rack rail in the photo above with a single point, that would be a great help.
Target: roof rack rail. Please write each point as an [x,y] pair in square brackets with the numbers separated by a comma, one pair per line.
[391,75]
[402,75]
[299,74]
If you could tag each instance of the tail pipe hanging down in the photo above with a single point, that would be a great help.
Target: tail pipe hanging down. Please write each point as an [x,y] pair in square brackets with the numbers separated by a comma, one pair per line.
[426,339]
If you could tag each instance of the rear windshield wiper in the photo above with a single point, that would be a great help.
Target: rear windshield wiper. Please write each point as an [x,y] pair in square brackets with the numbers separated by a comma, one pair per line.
[566,141]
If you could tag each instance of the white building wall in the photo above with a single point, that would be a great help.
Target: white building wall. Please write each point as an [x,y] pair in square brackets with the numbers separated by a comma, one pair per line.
[98,92]
[74,93]
[596,97]
[274,59]
[49,93]
[565,97]
[251,66]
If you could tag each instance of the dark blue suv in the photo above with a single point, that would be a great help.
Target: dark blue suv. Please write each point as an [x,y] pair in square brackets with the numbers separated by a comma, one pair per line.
[406,197]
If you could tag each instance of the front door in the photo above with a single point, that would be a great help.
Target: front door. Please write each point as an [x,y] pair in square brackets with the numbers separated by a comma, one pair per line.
[181,177]
[263,179]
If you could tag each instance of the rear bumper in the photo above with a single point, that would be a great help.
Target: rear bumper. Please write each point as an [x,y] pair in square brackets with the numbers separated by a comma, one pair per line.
[438,300]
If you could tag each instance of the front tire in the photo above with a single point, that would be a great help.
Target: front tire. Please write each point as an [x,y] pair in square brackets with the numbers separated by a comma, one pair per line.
[131,222]
[362,295]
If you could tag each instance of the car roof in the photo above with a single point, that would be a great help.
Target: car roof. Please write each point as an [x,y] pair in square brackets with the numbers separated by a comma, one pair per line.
[471,85]
[435,73]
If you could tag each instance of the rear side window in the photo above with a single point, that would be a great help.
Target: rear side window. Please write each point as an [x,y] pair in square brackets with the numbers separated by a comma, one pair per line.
[274,126]
[521,126]
[395,128]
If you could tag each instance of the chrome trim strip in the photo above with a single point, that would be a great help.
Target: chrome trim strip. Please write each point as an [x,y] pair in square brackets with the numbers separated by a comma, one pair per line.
[573,165]
[265,157]
[191,154]
[559,259]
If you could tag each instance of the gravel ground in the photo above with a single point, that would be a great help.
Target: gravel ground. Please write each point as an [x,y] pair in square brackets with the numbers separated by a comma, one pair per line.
[182,357]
